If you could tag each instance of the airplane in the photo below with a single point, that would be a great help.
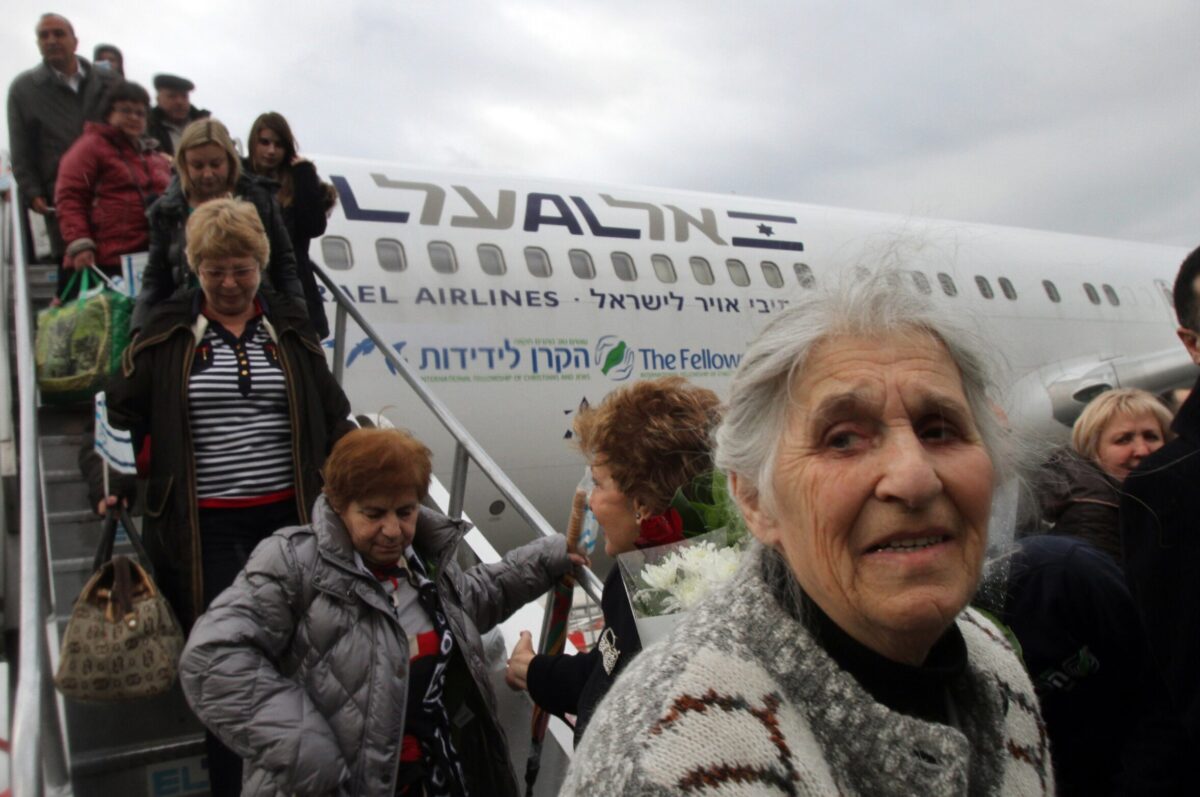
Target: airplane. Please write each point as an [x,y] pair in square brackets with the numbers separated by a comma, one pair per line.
[518,300]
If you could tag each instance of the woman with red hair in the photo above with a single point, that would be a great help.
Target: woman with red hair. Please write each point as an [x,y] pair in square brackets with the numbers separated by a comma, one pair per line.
[346,658]
[644,443]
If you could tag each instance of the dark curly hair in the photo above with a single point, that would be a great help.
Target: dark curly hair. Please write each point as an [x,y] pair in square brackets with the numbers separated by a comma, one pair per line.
[653,436]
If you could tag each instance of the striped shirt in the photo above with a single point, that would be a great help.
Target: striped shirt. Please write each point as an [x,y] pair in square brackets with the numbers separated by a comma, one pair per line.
[241,427]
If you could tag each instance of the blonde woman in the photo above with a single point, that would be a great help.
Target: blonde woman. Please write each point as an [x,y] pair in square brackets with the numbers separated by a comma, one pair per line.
[208,168]
[1081,492]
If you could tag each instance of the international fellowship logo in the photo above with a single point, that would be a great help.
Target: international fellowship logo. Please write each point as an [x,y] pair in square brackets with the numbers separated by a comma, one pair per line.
[614,357]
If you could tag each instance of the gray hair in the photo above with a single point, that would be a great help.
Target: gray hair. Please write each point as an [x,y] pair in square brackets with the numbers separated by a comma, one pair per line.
[880,304]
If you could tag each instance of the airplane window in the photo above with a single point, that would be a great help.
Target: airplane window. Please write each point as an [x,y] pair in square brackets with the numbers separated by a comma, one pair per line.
[1092,295]
[738,272]
[1051,291]
[537,261]
[1113,299]
[664,269]
[947,283]
[390,254]
[771,274]
[1167,294]
[921,281]
[805,276]
[985,287]
[491,259]
[702,271]
[441,257]
[581,264]
[623,265]
[1009,291]
[335,251]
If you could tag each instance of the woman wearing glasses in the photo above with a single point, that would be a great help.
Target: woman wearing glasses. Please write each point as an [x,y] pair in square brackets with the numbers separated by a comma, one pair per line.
[207,168]
[228,387]
[106,180]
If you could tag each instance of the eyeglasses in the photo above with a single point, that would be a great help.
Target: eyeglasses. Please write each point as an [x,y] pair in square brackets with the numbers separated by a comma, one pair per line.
[136,111]
[218,275]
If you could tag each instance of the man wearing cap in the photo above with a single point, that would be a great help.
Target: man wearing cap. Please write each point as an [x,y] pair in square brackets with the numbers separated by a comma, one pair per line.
[47,106]
[173,112]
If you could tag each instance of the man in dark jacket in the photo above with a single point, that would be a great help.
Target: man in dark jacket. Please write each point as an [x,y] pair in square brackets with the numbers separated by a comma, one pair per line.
[173,111]
[1160,530]
[47,106]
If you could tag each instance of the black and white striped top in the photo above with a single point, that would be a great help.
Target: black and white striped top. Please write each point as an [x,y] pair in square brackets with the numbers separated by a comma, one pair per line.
[241,427]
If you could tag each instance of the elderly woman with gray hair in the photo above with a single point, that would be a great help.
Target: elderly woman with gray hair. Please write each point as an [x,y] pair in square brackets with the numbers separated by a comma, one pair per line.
[862,450]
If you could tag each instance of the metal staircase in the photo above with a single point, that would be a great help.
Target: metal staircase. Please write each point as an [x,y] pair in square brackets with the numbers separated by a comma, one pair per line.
[155,747]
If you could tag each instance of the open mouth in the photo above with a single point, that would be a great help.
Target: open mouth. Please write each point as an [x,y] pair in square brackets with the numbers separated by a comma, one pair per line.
[911,545]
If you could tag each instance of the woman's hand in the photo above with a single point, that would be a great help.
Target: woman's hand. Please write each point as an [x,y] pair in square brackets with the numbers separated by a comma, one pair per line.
[578,559]
[83,260]
[107,502]
[518,662]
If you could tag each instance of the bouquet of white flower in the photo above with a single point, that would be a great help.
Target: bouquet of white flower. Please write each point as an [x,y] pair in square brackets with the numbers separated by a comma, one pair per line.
[665,581]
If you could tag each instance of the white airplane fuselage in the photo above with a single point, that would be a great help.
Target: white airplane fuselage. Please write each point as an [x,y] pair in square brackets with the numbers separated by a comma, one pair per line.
[513,349]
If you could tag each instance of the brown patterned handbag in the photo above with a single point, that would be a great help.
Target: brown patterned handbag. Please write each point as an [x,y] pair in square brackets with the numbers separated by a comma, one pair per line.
[122,641]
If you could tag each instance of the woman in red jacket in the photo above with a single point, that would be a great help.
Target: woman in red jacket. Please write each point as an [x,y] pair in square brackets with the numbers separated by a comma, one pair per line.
[107,179]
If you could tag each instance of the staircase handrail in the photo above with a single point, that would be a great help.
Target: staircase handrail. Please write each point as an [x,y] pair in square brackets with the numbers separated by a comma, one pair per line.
[34,711]
[466,447]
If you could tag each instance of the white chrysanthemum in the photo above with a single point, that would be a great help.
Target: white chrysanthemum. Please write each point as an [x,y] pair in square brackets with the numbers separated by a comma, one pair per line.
[687,574]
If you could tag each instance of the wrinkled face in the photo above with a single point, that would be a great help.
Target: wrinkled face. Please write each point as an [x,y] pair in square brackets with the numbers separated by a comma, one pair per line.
[208,169]
[268,150]
[1125,441]
[174,103]
[383,526]
[613,511]
[229,284]
[129,117]
[56,42]
[882,491]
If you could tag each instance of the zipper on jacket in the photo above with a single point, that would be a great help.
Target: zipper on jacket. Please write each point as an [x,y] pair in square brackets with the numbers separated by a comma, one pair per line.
[193,501]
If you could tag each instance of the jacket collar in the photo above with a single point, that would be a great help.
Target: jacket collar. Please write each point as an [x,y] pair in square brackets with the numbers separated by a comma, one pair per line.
[1187,420]
[182,311]
[172,205]
[44,73]
[113,136]
[437,535]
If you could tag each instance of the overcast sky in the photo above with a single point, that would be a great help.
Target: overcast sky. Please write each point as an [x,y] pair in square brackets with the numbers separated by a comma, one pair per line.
[1074,116]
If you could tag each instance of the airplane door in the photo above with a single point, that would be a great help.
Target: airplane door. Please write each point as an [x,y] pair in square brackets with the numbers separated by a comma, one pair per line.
[1168,296]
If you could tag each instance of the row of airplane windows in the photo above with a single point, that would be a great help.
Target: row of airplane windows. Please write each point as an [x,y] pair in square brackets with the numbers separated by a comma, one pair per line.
[339,256]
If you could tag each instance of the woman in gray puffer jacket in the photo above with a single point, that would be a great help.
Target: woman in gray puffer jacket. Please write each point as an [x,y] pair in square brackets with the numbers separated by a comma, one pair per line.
[346,658]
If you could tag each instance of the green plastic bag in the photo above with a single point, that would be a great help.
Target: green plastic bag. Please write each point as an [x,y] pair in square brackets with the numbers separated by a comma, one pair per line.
[79,344]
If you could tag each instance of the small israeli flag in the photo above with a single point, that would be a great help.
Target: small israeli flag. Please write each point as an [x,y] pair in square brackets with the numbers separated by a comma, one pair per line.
[113,445]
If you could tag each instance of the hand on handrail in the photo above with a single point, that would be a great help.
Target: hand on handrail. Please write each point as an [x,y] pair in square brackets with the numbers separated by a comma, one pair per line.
[518,663]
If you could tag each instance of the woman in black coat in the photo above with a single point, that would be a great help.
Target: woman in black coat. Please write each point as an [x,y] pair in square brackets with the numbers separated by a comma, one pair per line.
[305,200]
[1080,489]
[208,168]
[644,443]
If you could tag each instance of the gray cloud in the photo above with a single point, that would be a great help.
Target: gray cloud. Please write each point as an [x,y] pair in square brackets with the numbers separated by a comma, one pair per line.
[1070,116]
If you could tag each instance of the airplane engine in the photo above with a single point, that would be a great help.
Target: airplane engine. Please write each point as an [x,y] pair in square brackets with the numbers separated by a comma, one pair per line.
[1045,402]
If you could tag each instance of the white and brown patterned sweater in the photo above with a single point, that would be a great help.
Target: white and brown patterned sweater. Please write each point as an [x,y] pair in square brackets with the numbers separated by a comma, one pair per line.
[740,700]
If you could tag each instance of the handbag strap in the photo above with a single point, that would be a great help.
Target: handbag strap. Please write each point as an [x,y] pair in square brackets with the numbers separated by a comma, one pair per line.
[101,276]
[109,535]
[122,586]
[66,291]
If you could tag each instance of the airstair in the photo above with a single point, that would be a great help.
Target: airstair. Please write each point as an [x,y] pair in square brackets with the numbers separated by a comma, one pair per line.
[155,747]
